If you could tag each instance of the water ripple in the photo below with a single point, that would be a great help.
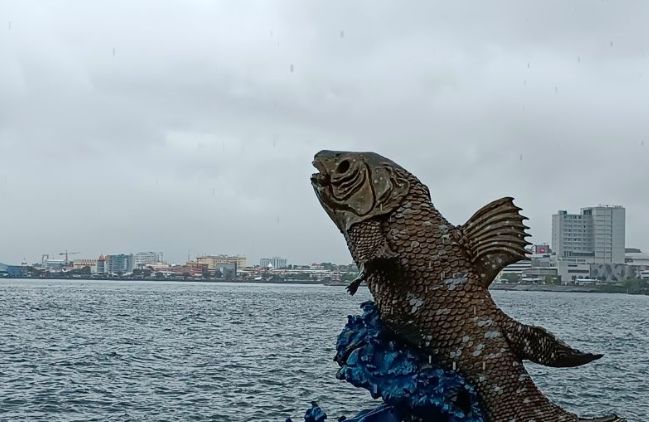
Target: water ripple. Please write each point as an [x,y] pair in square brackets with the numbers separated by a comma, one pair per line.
[113,351]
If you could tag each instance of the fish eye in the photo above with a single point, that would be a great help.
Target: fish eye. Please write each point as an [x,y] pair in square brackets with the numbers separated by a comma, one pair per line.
[343,166]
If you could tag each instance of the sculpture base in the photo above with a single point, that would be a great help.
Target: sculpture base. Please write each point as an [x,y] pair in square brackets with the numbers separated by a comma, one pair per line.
[411,385]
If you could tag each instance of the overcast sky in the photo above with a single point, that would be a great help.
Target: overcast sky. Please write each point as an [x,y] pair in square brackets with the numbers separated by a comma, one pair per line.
[189,127]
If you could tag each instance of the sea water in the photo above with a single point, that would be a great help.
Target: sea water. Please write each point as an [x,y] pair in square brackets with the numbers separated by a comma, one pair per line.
[162,351]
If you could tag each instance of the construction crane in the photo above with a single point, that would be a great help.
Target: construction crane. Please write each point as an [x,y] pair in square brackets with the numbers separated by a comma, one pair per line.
[66,253]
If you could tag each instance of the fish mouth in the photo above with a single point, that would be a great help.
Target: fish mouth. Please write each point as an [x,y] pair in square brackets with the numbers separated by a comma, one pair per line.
[320,178]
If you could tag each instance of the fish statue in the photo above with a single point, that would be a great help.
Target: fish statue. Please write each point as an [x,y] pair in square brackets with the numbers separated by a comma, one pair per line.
[430,281]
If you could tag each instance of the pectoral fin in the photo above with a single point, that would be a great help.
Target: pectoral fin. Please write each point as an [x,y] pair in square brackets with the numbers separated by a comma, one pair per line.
[381,256]
[356,283]
[540,346]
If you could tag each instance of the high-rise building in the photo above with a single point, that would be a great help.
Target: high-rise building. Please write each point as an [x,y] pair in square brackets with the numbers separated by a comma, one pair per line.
[596,235]
[275,262]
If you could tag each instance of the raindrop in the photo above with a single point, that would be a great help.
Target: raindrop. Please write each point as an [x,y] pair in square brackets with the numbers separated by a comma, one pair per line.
[113,51]
[611,44]
[642,143]
[528,65]
[277,219]
[292,68]
[556,89]
[578,59]
[9,25]
[342,34]
[274,142]
[520,157]
[213,192]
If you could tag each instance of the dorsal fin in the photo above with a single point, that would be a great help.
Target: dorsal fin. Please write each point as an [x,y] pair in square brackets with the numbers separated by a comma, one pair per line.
[494,237]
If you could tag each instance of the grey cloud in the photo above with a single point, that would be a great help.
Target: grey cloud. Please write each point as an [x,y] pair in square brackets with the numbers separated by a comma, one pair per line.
[191,126]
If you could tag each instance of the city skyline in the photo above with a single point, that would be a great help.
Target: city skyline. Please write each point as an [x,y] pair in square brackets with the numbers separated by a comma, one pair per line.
[198,133]
[264,260]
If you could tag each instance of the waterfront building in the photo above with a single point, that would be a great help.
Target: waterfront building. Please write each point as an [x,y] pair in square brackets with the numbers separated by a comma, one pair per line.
[190,269]
[542,266]
[78,264]
[101,265]
[143,259]
[228,271]
[637,258]
[570,271]
[215,261]
[589,242]
[274,262]
[515,271]
[595,236]
[119,264]
[613,273]
[52,264]
[14,271]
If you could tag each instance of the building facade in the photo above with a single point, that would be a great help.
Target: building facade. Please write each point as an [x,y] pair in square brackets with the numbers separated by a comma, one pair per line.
[214,262]
[119,264]
[274,262]
[637,258]
[595,236]
[79,264]
[101,265]
[143,259]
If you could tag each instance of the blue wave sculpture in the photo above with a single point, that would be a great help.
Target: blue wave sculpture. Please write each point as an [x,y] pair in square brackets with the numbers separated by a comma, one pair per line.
[412,386]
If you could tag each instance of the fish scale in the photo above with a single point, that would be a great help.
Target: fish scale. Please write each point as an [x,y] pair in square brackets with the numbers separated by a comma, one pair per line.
[430,281]
[490,367]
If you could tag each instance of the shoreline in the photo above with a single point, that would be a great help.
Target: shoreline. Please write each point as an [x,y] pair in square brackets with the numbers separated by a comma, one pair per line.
[495,286]
[545,288]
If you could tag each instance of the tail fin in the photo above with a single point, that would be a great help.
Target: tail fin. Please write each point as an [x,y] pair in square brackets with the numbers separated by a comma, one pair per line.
[540,346]
[612,418]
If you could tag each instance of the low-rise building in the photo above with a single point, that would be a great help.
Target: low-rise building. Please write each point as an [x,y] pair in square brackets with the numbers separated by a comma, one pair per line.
[569,271]
[636,257]
[215,261]
[274,262]
[79,264]
[612,273]
[13,271]
[514,272]
[53,264]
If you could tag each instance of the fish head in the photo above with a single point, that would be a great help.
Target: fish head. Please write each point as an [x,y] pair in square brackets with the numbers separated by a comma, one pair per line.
[356,186]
